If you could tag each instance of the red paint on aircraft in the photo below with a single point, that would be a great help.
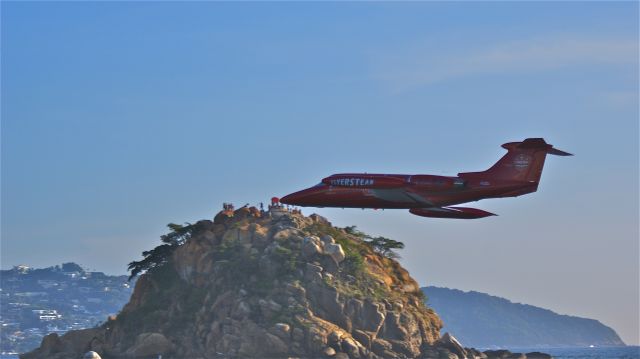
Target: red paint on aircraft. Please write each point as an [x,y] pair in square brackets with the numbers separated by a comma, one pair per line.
[360,180]
[516,173]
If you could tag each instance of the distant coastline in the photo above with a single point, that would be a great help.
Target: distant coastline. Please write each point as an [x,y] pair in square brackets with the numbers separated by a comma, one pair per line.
[616,352]
[483,320]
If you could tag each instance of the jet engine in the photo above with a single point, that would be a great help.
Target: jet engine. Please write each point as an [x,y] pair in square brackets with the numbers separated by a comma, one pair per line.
[451,212]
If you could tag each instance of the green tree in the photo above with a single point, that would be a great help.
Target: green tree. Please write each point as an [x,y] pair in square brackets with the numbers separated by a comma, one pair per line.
[71,267]
[381,245]
[385,246]
[160,255]
[353,230]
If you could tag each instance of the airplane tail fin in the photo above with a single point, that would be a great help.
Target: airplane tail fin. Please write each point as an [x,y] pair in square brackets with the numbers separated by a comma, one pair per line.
[523,161]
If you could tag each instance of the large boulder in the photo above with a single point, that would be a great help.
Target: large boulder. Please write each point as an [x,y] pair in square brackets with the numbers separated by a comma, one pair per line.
[91,355]
[449,342]
[150,344]
[497,354]
[311,246]
[335,251]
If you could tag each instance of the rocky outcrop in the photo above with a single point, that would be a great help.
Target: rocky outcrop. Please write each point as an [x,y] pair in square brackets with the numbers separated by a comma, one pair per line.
[252,285]
[249,285]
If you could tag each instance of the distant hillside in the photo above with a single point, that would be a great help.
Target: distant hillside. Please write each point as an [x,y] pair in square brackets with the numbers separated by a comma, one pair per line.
[481,320]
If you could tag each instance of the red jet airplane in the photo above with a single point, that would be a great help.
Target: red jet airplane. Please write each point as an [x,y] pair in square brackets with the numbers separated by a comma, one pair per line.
[516,173]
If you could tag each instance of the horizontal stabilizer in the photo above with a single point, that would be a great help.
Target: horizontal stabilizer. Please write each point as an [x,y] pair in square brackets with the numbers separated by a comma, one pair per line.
[536,144]
[451,212]
[557,152]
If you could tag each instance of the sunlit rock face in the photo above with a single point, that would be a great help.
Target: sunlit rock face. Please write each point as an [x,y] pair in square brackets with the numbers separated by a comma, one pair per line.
[249,284]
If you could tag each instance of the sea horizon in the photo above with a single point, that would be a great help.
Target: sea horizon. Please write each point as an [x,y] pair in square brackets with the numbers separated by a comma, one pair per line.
[595,352]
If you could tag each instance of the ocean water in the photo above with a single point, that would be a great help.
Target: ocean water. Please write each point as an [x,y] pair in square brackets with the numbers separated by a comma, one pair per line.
[629,352]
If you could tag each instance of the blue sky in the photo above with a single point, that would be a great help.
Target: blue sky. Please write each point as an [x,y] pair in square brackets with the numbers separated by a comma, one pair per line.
[118,118]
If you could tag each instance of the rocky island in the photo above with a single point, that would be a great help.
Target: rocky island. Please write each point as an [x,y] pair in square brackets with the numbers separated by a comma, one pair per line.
[268,284]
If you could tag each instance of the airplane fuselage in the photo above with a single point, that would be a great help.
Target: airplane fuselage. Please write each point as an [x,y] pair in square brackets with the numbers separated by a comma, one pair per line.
[403,191]
[516,173]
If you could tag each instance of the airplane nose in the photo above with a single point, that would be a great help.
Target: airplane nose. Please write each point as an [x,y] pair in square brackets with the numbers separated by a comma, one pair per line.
[286,199]
[299,198]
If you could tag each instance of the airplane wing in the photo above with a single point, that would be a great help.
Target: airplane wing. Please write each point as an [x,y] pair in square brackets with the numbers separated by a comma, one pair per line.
[451,212]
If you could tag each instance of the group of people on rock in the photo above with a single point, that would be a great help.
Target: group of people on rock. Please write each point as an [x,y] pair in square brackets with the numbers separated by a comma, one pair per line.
[229,208]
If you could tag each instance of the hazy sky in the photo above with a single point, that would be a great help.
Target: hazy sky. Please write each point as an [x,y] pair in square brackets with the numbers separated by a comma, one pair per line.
[118,118]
